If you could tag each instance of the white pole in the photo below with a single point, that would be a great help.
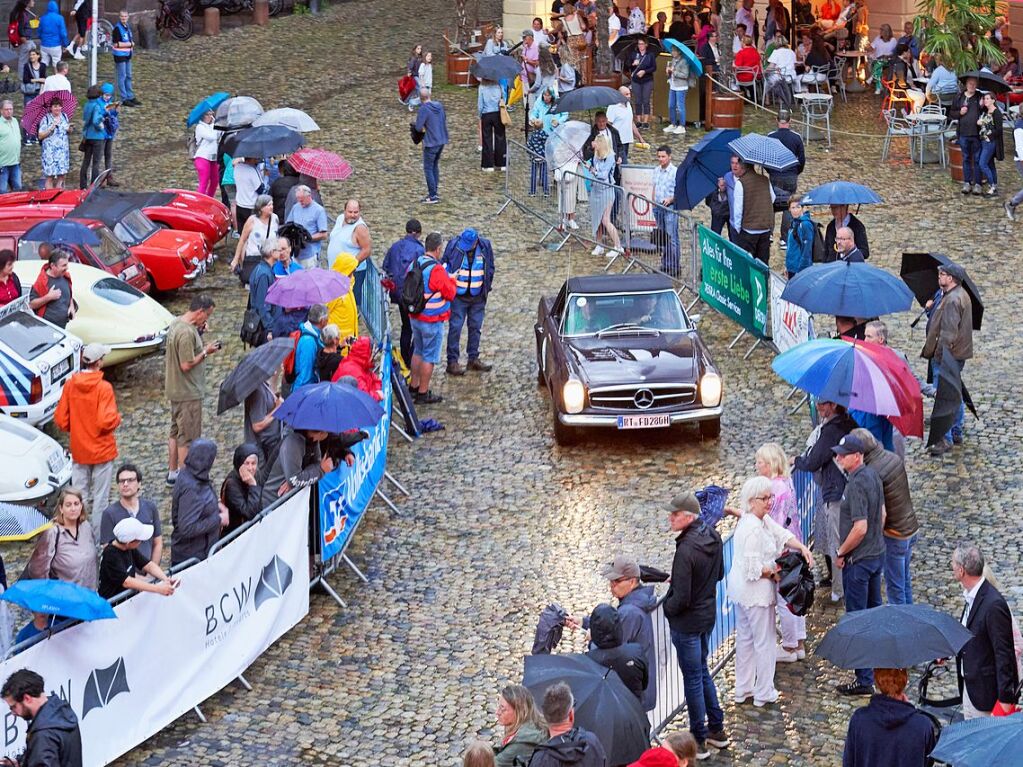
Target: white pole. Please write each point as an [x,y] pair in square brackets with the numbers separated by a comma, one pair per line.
[93,52]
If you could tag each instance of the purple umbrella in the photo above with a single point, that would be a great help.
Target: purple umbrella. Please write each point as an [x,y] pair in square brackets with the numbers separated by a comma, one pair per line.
[307,287]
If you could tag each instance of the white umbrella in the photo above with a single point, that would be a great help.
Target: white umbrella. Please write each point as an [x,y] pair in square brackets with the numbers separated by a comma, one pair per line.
[565,144]
[295,119]
[238,112]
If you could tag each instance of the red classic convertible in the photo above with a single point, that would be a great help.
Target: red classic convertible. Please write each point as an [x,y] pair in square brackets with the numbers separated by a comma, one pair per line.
[171,208]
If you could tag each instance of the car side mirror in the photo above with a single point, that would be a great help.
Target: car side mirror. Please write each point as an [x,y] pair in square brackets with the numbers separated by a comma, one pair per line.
[695,319]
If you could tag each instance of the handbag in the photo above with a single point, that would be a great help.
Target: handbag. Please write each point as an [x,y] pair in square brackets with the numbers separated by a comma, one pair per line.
[252,331]
[505,117]
[417,135]
[82,144]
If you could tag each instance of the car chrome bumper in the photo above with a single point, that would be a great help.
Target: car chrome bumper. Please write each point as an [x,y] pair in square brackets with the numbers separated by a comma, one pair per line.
[609,419]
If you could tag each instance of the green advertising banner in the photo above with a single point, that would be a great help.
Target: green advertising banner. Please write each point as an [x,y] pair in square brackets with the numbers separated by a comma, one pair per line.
[733,283]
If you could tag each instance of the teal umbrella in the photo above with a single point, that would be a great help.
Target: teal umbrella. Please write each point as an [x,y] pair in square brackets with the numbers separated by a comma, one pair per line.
[208,104]
[55,597]
[687,53]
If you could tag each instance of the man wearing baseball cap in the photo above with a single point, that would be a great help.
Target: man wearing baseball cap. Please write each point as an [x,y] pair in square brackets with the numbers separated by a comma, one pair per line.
[950,340]
[88,410]
[400,256]
[122,564]
[691,609]
[860,552]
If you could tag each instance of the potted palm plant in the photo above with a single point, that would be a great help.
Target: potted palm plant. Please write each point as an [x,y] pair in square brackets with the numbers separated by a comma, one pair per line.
[603,60]
[725,106]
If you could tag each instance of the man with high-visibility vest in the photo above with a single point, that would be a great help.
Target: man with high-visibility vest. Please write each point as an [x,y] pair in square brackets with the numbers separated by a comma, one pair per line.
[428,324]
[468,258]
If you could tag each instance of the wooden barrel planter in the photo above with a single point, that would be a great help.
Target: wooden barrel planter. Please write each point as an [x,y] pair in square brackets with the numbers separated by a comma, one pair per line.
[727,111]
[612,80]
[955,162]
[458,70]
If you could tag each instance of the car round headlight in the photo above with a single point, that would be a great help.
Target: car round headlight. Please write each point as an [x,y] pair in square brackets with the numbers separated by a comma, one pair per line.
[574,395]
[44,367]
[710,389]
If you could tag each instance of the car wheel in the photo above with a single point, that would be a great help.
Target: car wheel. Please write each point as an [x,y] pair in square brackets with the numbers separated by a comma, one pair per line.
[710,429]
[563,435]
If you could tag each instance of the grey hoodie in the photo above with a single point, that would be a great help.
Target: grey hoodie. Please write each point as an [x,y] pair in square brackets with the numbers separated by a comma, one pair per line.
[634,611]
[195,510]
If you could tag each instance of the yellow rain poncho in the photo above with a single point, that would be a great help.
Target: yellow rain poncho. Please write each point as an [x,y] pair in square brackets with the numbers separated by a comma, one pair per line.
[343,311]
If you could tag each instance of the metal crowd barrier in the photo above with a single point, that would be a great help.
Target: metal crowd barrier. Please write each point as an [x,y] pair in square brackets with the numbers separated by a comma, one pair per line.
[671,700]
[373,305]
[529,186]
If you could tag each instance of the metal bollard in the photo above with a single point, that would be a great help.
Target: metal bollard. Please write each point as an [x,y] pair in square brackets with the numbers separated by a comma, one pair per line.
[211,22]
[261,12]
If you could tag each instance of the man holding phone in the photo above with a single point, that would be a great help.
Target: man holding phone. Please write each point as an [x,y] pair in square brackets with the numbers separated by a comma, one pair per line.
[185,379]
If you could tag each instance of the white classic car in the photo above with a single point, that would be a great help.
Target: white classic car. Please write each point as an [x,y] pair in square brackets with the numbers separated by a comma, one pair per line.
[34,464]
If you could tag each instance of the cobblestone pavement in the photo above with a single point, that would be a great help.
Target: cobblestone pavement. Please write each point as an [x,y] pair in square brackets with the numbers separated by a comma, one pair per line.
[503,521]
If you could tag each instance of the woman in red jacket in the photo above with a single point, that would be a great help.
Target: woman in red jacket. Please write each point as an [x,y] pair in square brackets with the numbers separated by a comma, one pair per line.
[748,59]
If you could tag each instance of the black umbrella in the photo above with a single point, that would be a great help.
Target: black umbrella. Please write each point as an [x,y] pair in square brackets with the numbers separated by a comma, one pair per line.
[950,393]
[920,272]
[893,636]
[603,704]
[264,141]
[624,46]
[495,68]
[549,629]
[987,81]
[589,97]
[255,368]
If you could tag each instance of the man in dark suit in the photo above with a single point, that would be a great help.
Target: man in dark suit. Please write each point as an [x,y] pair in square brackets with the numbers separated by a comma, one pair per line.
[988,676]
[840,216]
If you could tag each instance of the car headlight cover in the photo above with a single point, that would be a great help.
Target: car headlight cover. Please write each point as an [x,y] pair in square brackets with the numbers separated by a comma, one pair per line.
[574,395]
[710,389]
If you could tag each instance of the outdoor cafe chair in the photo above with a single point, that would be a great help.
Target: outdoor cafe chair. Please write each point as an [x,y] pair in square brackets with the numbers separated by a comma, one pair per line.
[894,95]
[750,79]
[816,110]
[897,127]
[814,78]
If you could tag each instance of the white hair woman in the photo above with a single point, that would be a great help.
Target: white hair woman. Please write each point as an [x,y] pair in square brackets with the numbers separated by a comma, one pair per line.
[772,463]
[757,542]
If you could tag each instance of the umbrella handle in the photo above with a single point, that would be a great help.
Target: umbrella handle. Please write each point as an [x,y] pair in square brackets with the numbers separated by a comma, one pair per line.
[919,317]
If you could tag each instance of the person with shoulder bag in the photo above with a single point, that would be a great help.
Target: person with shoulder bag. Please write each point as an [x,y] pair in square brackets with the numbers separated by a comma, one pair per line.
[495,143]
[259,315]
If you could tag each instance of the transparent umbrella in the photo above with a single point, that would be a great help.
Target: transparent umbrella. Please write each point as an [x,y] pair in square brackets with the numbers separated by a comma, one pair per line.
[565,144]
[237,112]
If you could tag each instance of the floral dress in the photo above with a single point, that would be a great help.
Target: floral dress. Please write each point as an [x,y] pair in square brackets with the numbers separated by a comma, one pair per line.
[56,152]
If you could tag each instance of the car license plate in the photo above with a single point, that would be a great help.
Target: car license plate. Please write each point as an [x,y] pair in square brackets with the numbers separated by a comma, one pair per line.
[56,461]
[59,370]
[130,273]
[644,421]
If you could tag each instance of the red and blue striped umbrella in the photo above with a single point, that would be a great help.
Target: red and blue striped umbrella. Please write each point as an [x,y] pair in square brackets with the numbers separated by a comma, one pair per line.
[860,375]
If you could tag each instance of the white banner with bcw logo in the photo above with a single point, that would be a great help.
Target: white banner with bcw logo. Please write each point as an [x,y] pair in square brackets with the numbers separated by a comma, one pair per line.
[128,678]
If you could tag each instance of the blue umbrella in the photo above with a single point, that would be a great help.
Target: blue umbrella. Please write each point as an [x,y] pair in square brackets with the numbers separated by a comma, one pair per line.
[495,68]
[208,104]
[706,161]
[54,597]
[687,52]
[62,231]
[764,150]
[331,407]
[987,742]
[847,289]
[842,193]
[589,97]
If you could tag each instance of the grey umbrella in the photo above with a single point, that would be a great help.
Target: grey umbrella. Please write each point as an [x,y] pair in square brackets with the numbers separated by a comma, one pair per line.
[295,119]
[255,368]
[237,112]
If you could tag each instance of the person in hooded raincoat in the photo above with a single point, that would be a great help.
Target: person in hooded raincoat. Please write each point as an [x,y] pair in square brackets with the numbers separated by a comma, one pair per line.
[196,513]
[359,365]
[343,311]
[625,659]
[241,490]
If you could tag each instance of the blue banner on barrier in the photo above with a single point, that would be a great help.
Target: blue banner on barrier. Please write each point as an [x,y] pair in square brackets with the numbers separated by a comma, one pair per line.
[346,492]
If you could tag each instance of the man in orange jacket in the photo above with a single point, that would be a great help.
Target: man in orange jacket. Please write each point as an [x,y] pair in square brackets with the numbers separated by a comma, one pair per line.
[88,411]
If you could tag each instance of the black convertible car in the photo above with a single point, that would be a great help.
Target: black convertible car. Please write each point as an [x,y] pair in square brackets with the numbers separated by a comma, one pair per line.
[620,351]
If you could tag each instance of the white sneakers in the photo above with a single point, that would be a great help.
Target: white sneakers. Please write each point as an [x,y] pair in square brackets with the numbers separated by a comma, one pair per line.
[571,224]
[669,129]
[598,250]
[762,703]
[680,130]
[786,656]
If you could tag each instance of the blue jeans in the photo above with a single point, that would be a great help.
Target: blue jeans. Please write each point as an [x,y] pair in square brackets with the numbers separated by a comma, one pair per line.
[705,714]
[10,178]
[970,146]
[461,308]
[897,555]
[667,222]
[123,67]
[538,175]
[862,583]
[677,107]
[957,426]
[431,168]
[987,162]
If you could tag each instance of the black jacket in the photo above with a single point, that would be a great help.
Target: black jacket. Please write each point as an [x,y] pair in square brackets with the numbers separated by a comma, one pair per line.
[987,664]
[279,192]
[626,659]
[242,499]
[53,738]
[616,143]
[691,602]
[820,458]
[577,747]
[794,143]
[859,238]
[195,508]
[889,733]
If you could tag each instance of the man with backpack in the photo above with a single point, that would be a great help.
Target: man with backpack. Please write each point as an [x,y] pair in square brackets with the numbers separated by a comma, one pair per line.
[427,292]
[307,346]
[469,258]
[396,263]
[805,244]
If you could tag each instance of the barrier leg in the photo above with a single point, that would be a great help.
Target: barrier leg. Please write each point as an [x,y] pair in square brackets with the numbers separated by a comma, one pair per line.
[751,350]
[321,581]
[199,714]
[799,405]
[401,431]
[388,501]
[354,569]
[736,339]
[244,682]
[401,488]
[503,207]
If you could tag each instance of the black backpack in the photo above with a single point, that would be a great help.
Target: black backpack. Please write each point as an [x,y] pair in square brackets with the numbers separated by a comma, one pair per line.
[817,250]
[413,292]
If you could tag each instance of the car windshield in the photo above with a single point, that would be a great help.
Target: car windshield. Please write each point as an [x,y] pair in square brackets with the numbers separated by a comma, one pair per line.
[27,336]
[116,291]
[110,250]
[588,314]
[134,227]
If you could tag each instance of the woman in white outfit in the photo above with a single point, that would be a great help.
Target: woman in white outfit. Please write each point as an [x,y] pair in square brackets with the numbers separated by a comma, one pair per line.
[758,541]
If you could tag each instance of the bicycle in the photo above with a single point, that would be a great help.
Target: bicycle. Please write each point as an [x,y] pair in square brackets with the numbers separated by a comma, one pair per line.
[104,37]
[175,16]
[228,7]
